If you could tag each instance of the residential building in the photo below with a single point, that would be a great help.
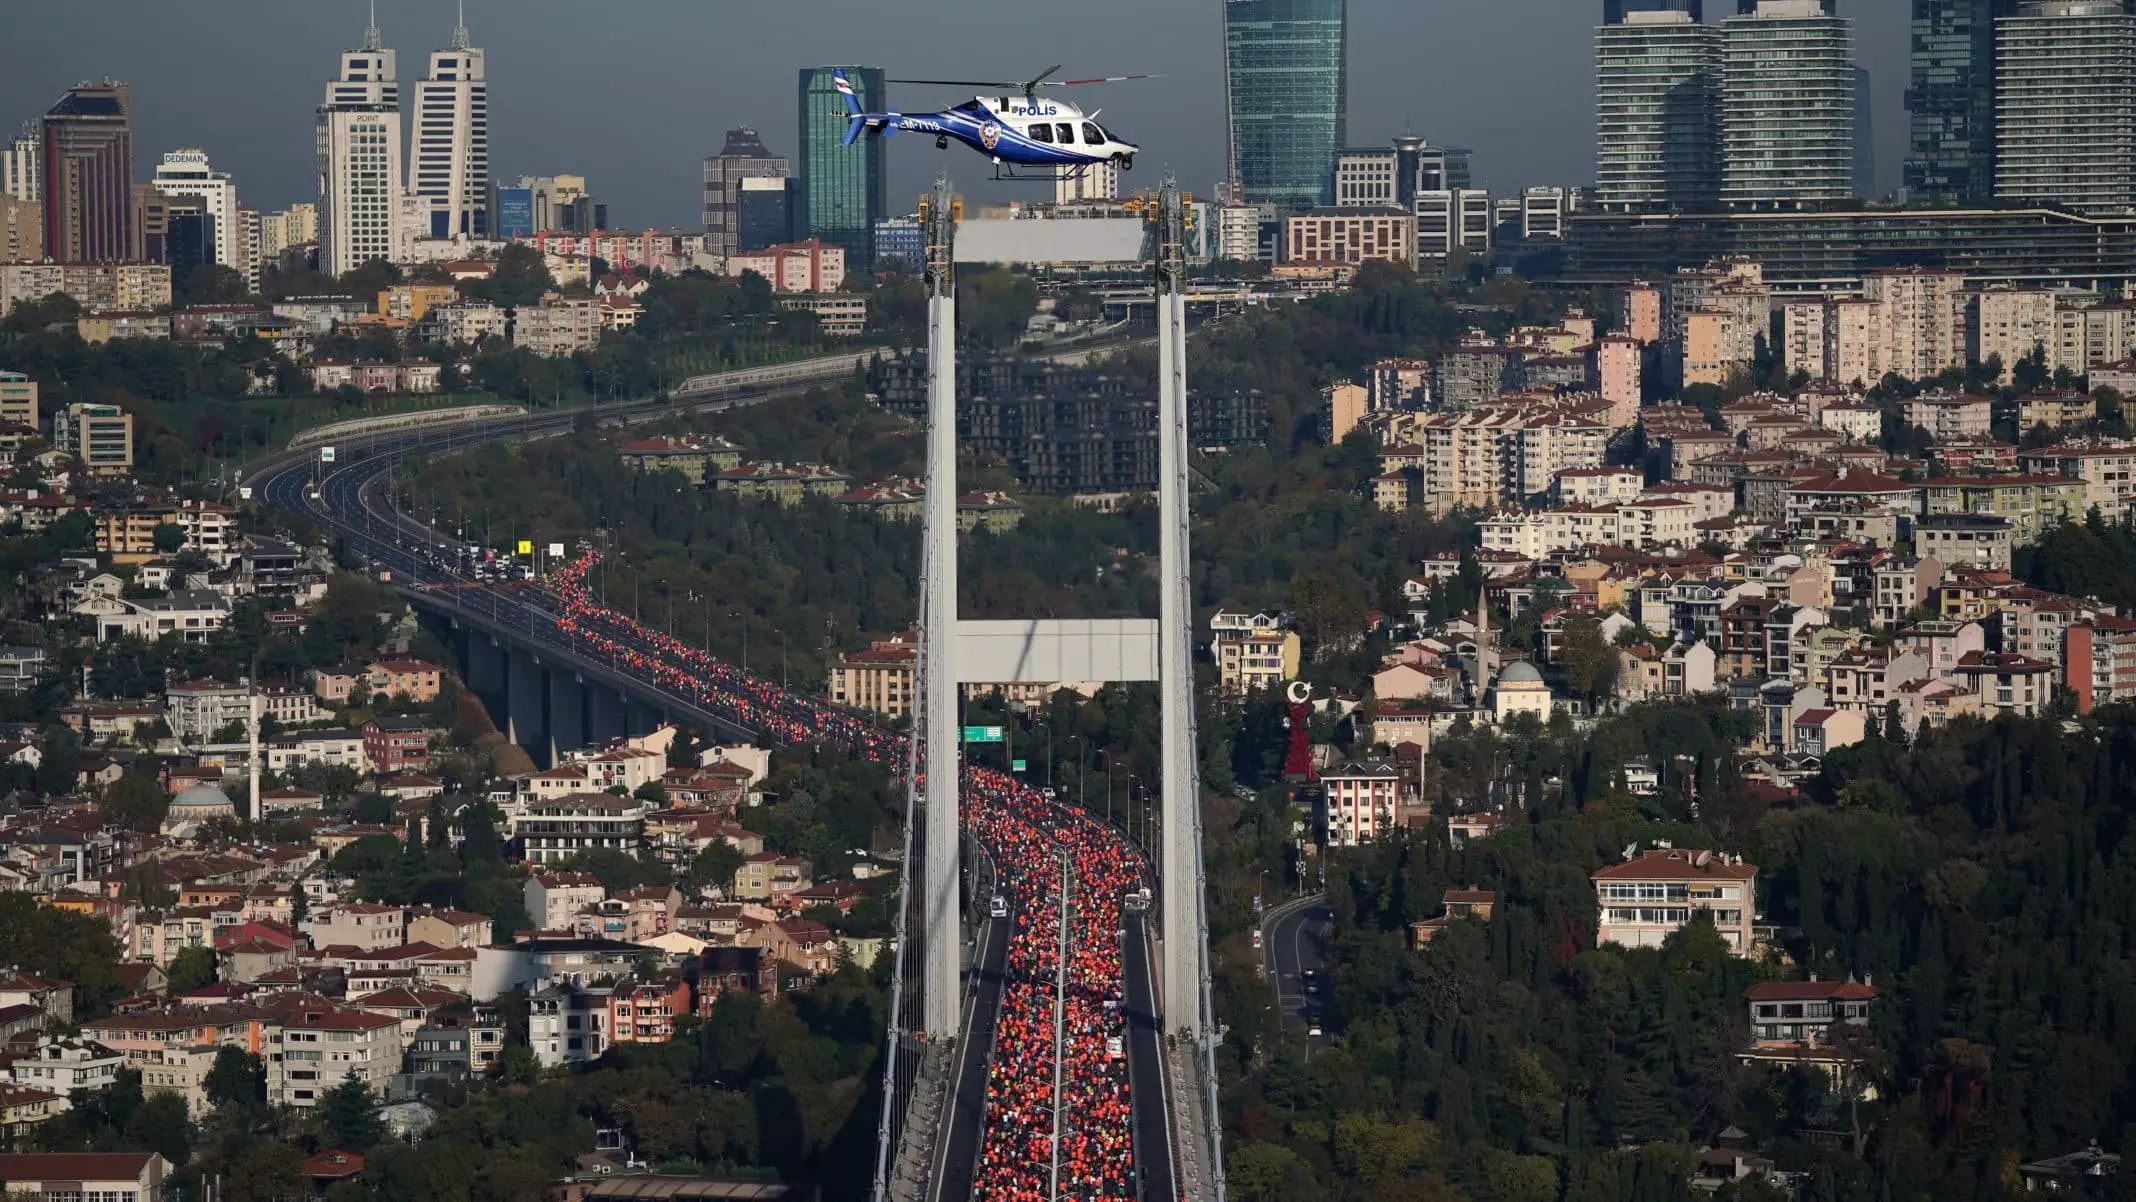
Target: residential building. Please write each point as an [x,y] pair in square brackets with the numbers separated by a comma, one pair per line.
[560,325]
[1920,320]
[1657,101]
[1286,93]
[1643,900]
[2054,409]
[2065,70]
[18,400]
[396,744]
[2008,324]
[1948,416]
[844,189]
[86,165]
[197,709]
[786,484]
[879,678]
[1787,106]
[2007,682]
[103,1176]
[1262,660]
[2107,470]
[769,876]
[1965,540]
[60,1065]
[1806,1014]
[21,160]
[813,266]
[312,1049]
[2031,503]
[1615,376]
[553,899]
[552,830]
[360,165]
[449,173]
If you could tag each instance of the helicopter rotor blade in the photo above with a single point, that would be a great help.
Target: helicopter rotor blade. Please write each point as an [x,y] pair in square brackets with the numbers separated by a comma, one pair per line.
[1073,83]
[961,83]
[1032,84]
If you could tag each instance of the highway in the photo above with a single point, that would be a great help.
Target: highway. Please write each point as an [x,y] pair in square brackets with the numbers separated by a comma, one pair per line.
[1294,941]
[1145,1066]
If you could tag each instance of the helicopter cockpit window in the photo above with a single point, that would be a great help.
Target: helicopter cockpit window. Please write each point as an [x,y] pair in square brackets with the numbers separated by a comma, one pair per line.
[1064,133]
[1041,132]
[969,106]
[1092,135]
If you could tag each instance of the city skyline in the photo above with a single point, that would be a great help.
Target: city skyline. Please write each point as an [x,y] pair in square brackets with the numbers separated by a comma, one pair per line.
[651,173]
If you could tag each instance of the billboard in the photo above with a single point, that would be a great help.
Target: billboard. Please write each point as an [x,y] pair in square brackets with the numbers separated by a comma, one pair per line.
[514,213]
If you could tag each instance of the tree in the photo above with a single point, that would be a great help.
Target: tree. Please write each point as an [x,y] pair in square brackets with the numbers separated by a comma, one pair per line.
[347,1115]
[136,802]
[653,791]
[193,968]
[167,538]
[1590,664]
[237,1080]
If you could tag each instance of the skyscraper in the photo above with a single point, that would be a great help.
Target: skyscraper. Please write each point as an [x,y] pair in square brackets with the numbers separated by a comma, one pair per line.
[451,168]
[1615,11]
[1787,107]
[87,160]
[186,173]
[743,157]
[1286,95]
[1657,112]
[20,177]
[359,144]
[843,188]
[1950,100]
[2065,105]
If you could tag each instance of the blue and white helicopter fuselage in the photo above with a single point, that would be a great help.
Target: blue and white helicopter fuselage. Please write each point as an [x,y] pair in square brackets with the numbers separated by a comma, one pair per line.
[1013,131]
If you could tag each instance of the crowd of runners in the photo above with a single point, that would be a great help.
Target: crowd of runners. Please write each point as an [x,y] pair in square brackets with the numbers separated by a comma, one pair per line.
[1026,836]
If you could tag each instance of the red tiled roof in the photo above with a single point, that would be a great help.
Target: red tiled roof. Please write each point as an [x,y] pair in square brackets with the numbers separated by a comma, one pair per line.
[1675,864]
[1771,991]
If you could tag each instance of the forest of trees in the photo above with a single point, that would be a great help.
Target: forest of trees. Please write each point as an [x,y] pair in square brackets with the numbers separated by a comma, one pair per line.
[1984,880]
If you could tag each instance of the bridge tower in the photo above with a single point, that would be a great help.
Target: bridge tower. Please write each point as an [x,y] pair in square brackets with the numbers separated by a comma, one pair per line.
[941,934]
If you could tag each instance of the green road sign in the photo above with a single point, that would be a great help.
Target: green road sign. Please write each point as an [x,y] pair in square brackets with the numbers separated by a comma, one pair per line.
[1016,765]
[982,734]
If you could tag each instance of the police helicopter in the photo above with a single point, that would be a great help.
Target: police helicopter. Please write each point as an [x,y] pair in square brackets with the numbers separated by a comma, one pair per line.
[1015,127]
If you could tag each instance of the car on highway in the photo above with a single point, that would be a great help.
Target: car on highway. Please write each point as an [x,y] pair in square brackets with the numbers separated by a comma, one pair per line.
[998,908]
[1257,939]
[1314,1029]
[1311,977]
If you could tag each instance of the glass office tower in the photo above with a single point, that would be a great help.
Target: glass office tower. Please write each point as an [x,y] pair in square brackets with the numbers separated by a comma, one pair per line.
[1286,89]
[1950,100]
[844,189]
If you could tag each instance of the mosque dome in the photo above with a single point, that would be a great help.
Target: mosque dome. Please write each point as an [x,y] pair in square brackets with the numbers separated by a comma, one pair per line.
[194,808]
[1520,671]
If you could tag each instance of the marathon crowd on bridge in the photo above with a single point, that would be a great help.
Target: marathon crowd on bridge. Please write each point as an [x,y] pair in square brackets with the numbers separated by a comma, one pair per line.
[1026,835]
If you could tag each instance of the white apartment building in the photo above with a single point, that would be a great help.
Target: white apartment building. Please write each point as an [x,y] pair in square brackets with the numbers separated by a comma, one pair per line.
[2065,90]
[1597,485]
[1920,320]
[197,709]
[464,322]
[186,173]
[1948,415]
[1855,421]
[450,170]
[1361,801]
[1642,901]
[359,152]
[310,1051]
[1509,451]
[1787,106]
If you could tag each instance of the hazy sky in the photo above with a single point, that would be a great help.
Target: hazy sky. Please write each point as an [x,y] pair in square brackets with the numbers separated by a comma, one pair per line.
[633,94]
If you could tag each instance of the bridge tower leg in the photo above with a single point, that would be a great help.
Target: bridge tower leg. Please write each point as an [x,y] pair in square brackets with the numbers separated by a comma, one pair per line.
[567,714]
[1188,1010]
[942,932]
[525,701]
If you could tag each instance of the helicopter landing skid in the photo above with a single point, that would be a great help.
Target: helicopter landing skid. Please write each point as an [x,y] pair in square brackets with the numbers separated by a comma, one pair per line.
[1010,173]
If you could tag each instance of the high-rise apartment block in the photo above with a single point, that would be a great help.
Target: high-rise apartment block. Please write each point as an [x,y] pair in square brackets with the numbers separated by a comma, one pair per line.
[2065,105]
[86,157]
[21,230]
[359,147]
[1787,107]
[1286,91]
[187,173]
[844,189]
[1657,112]
[100,436]
[1950,100]
[743,157]
[20,176]
[451,142]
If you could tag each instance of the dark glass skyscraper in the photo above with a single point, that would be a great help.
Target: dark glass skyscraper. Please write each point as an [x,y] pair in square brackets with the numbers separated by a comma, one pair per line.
[88,176]
[1286,89]
[843,188]
[1950,100]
